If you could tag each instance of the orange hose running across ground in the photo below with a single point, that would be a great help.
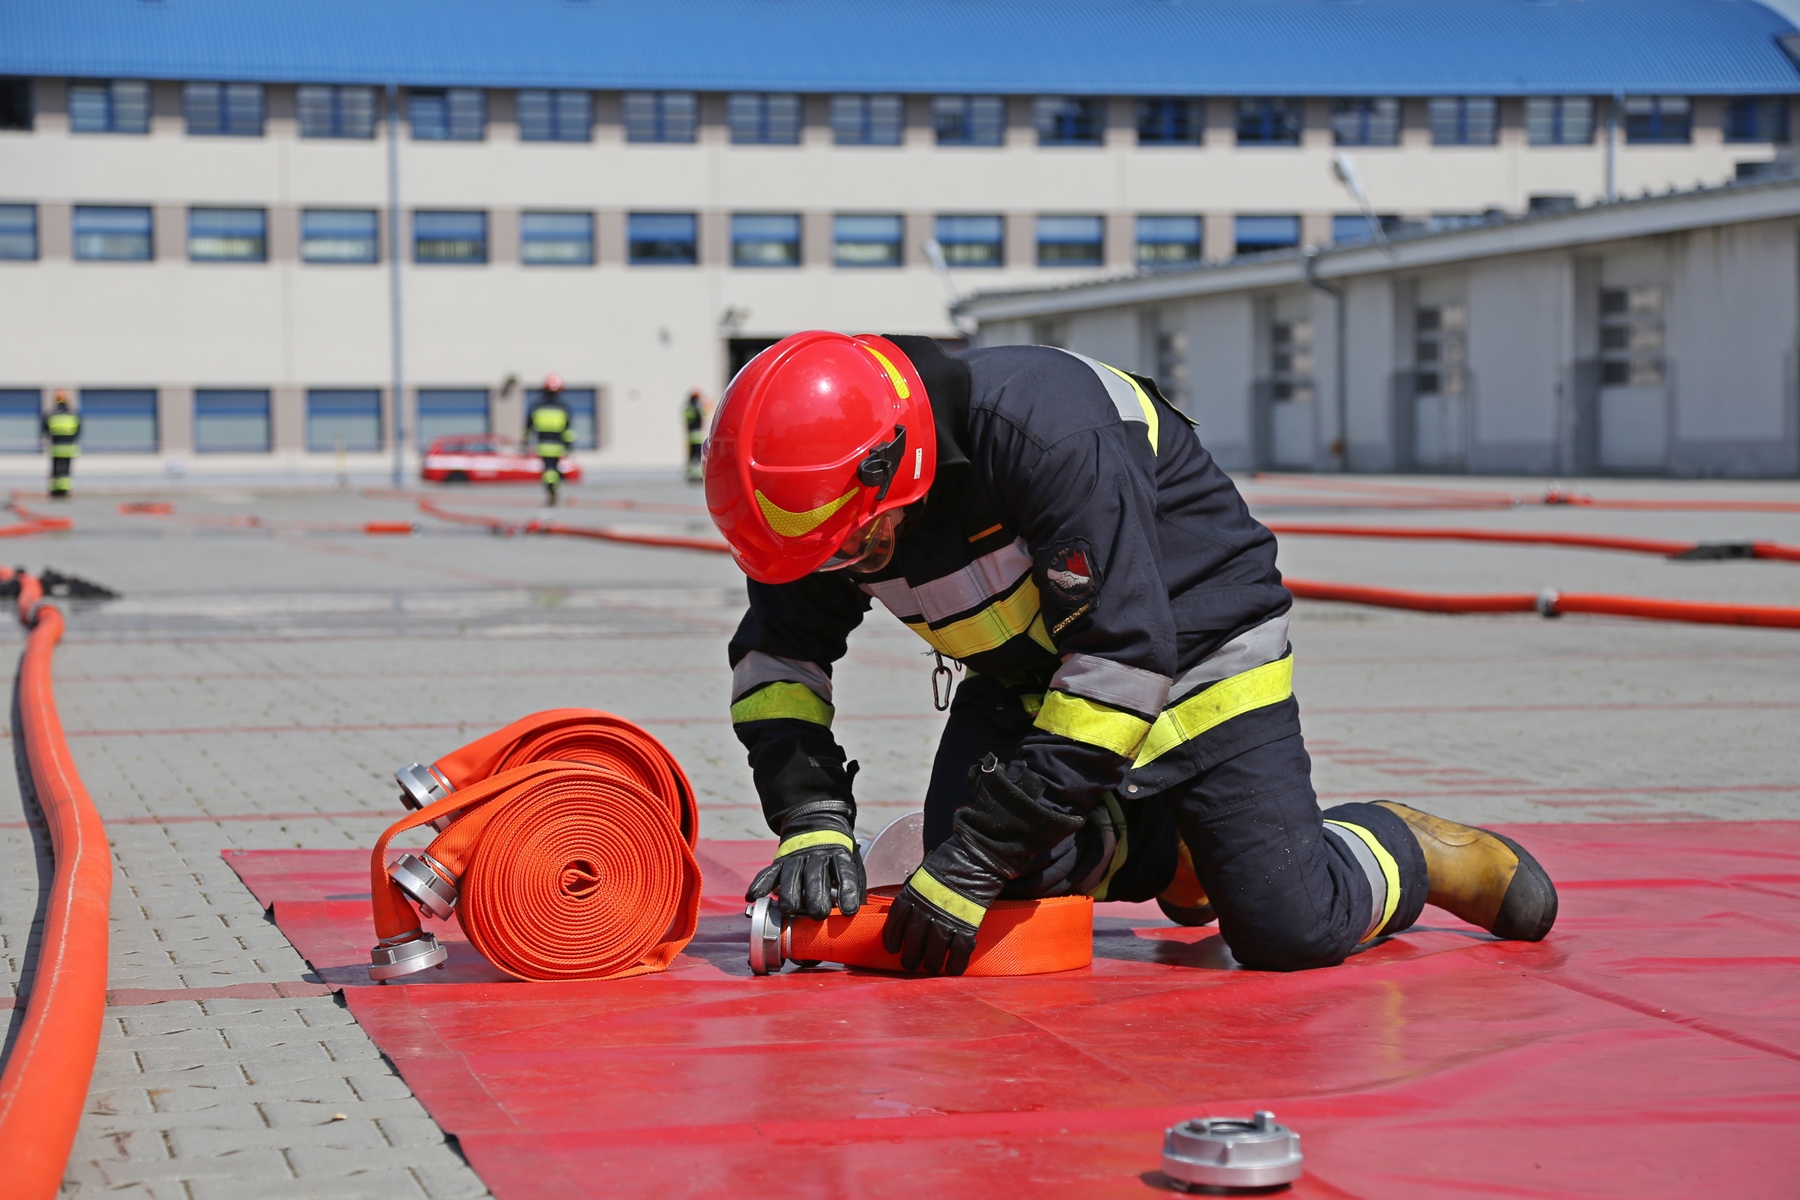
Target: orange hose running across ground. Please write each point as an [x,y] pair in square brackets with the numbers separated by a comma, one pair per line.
[1553,604]
[1582,541]
[1018,937]
[568,844]
[672,541]
[1425,495]
[44,1087]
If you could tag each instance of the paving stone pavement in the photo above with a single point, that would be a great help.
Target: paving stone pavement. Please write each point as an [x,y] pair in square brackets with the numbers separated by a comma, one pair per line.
[257,685]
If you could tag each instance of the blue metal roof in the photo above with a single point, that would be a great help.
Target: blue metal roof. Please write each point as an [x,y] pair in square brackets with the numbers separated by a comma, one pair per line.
[1119,47]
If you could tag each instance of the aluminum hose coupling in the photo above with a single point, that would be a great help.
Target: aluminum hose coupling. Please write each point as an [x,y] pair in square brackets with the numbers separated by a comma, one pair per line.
[403,955]
[421,786]
[432,885]
[1231,1152]
[768,927]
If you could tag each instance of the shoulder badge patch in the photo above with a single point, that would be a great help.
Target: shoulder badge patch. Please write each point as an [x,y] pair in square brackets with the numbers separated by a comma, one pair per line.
[1071,573]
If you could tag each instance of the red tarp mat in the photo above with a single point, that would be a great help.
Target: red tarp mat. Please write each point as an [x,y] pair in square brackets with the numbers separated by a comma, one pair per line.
[1650,1047]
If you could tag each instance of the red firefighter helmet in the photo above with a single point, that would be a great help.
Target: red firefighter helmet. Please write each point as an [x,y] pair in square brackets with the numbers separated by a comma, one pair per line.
[552,383]
[815,447]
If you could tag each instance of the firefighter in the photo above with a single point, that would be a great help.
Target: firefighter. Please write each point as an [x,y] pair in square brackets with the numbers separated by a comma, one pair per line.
[552,434]
[63,428]
[1128,727]
[693,414]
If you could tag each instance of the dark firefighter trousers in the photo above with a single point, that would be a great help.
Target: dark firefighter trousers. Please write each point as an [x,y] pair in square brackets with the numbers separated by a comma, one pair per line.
[1288,895]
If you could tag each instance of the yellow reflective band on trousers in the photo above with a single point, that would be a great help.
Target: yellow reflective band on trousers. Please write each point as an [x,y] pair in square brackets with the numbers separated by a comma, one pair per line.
[1256,688]
[64,450]
[1390,871]
[1083,720]
[992,627]
[941,897]
[806,841]
[783,701]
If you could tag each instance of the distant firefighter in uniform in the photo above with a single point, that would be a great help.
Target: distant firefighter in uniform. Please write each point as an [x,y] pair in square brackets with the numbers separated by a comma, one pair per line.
[1128,729]
[552,433]
[694,413]
[63,428]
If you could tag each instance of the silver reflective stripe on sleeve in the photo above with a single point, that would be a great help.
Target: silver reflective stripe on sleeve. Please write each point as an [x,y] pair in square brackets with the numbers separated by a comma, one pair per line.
[1113,683]
[1377,880]
[1251,648]
[976,584]
[1124,395]
[897,596]
[756,668]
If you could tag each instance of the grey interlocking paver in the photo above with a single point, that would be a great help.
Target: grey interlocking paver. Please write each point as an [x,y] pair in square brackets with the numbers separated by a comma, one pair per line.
[256,687]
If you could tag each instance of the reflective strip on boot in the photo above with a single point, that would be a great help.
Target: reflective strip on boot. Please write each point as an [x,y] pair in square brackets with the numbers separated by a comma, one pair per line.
[1379,866]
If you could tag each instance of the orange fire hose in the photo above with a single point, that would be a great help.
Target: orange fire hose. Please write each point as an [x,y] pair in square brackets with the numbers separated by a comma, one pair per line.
[672,541]
[1583,541]
[1429,496]
[1018,937]
[44,1087]
[566,852]
[1554,604]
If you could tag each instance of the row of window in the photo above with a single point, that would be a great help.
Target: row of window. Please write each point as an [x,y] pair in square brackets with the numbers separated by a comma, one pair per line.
[237,421]
[125,234]
[762,118]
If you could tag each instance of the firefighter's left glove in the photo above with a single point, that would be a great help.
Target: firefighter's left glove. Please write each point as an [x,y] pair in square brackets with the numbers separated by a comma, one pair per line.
[933,921]
[808,801]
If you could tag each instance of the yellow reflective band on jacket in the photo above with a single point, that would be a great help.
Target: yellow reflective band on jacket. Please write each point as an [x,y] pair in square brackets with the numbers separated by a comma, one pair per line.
[992,627]
[63,424]
[1256,688]
[783,701]
[1390,871]
[939,896]
[1083,720]
[1143,398]
[806,841]
[549,420]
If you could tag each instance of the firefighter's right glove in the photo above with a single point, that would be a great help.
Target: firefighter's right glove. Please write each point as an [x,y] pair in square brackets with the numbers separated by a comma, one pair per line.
[933,921]
[808,801]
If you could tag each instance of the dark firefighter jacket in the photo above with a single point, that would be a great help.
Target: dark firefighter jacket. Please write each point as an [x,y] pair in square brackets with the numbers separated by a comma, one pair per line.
[552,431]
[63,428]
[1080,546]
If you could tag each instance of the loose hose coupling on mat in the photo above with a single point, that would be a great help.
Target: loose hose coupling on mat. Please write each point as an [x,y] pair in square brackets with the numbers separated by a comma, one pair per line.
[564,849]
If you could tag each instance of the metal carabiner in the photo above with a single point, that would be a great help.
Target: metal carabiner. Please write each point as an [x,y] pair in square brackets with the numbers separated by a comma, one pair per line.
[940,683]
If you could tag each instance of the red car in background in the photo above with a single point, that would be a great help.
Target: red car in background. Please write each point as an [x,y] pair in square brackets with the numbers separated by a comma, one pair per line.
[485,458]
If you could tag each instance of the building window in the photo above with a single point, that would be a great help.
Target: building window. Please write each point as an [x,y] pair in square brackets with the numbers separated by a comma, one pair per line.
[765,240]
[1070,120]
[16,109]
[450,237]
[329,111]
[556,116]
[1756,119]
[447,411]
[1290,361]
[231,422]
[228,235]
[662,239]
[1268,121]
[867,120]
[1559,120]
[1463,120]
[343,419]
[558,239]
[1349,228]
[1653,120]
[661,116]
[1366,121]
[1171,121]
[339,235]
[21,410]
[112,233]
[584,414]
[447,114]
[763,118]
[1631,337]
[1071,241]
[1254,235]
[867,241]
[112,106]
[223,109]
[18,232]
[1441,350]
[118,421]
[1168,241]
[972,241]
[969,120]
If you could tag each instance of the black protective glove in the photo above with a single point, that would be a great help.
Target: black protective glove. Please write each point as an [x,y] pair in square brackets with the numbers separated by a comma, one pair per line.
[934,918]
[808,801]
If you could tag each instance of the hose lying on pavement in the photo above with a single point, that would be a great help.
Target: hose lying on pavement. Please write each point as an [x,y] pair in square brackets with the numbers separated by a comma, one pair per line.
[1579,541]
[44,1087]
[673,541]
[565,850]
[1406,495]
[1018,937]
[1552,603]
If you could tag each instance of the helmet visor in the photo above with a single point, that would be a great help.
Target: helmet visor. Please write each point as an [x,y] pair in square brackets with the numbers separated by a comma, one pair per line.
[870,547]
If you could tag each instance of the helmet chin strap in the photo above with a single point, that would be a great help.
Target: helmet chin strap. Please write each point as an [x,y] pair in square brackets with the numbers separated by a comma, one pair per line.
[879,469]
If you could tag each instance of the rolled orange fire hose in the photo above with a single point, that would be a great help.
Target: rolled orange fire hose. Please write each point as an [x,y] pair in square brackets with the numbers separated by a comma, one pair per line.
[1018,937]
[44,1087]
[566,852]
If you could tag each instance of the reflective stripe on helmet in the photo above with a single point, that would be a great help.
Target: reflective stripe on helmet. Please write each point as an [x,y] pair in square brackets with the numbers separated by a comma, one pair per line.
[799,524]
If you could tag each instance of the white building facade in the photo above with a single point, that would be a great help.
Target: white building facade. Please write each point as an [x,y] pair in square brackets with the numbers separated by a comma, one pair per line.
[198,244]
